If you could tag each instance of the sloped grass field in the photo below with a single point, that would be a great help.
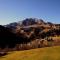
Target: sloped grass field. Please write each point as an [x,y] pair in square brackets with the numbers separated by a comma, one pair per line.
[49,53]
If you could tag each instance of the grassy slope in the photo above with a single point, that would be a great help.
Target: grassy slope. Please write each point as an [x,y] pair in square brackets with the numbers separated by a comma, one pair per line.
[49,53]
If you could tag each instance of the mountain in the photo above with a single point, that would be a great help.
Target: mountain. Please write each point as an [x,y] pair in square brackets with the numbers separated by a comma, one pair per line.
[27,22]
[28,34]
[33,28]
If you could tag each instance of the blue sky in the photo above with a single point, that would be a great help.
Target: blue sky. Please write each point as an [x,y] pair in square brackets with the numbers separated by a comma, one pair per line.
[17,10]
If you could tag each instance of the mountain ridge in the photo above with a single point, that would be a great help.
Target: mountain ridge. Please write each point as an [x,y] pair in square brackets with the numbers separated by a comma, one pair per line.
[28,22]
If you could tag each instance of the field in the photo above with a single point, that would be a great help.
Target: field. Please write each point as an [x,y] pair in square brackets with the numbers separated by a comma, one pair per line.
[48,53]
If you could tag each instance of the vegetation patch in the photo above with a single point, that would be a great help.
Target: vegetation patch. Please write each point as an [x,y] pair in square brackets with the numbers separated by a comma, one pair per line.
[48,53]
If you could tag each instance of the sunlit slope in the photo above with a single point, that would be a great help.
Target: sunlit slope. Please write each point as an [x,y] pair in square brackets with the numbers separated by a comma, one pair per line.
[49,53]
